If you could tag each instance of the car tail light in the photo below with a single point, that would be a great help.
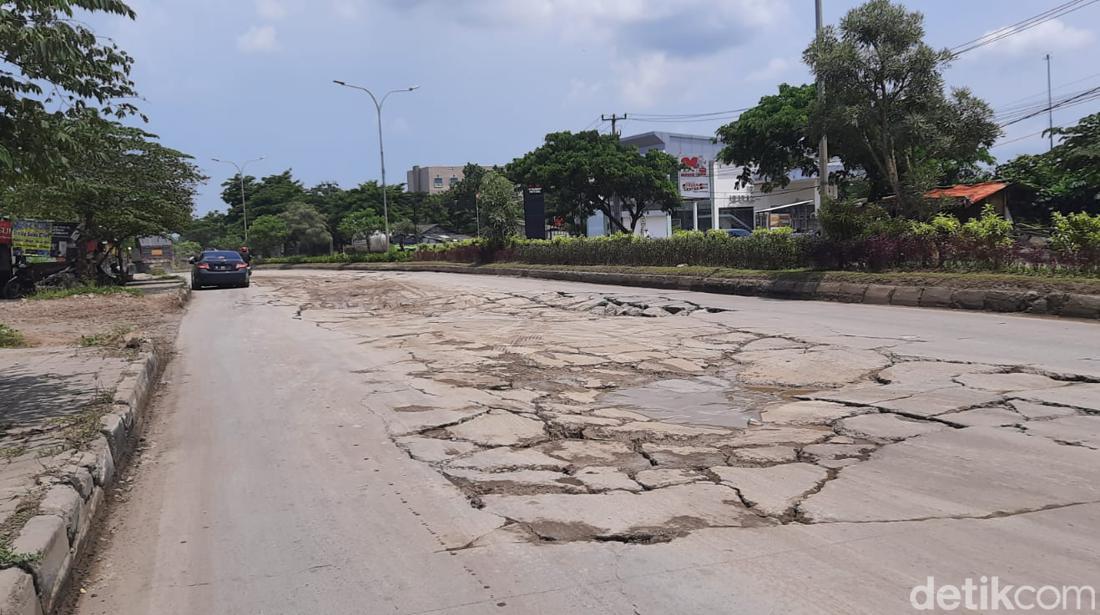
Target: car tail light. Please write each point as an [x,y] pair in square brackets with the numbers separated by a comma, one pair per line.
[242,265]
[203,265]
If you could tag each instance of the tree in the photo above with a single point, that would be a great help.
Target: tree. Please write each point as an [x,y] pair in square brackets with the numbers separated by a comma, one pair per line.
[205,230]
[266,197]
[267,234]
[360,224]
[500,207]
[884,107]
[306,229]
[463,198]
[770,140]
[1065,179]
[588,172]
[53,60]
[123,184]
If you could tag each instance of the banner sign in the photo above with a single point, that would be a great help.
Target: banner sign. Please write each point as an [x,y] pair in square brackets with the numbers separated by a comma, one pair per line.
[41,241]
[694,178]
[534,212]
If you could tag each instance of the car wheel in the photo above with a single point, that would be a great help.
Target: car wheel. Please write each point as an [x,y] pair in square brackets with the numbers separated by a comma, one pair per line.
[246,284]
[195,285]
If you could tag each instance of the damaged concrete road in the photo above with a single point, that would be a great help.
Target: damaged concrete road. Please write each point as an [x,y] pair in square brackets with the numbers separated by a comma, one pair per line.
[424,443]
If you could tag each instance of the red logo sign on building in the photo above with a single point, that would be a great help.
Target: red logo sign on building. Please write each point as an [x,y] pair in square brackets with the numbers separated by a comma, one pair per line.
[5,232]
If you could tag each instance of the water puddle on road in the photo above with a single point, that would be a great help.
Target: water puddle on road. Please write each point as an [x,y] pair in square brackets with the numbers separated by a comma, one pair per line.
[702,400]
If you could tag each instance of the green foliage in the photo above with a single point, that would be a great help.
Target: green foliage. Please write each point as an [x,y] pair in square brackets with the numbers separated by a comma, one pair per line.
[1077,234]
[990,229]
[884,107]
[123,184]
[1065,179]
[941,227]
[52,60]
[847,220]
[306,229]
[360,224]
[582,173]
[500,207]
[393,255]
[267,234]
[770,140]
[268,197]
[186,249]
[765,250]
[10,338]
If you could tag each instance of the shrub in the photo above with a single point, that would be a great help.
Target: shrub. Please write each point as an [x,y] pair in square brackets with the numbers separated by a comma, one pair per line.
[393,255]
[988,238]
[1076,238]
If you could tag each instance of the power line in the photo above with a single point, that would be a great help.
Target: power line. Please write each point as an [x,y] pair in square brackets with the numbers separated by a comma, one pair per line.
[1021,26]
[1083,97]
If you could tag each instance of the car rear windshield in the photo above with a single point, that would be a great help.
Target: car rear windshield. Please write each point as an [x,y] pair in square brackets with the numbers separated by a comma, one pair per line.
[221,255]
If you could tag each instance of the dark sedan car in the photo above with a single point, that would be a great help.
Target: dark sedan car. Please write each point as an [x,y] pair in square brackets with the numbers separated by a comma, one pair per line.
[219,268]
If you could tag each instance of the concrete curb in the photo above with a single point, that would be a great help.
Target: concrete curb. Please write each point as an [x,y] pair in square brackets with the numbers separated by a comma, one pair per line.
[943,297]
[59,533]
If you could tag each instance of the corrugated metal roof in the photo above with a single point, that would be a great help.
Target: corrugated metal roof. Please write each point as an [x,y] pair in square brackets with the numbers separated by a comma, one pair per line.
[970,192]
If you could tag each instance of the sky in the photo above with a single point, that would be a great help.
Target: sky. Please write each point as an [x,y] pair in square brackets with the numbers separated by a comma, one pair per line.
[240,79]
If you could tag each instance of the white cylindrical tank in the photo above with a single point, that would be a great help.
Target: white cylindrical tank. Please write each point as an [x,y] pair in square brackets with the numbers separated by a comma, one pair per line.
[379,242]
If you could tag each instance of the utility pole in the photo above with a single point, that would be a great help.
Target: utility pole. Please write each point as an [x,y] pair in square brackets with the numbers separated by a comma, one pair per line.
[1050,106]
[240,174]
[381,150]
[823,147]
[614,119]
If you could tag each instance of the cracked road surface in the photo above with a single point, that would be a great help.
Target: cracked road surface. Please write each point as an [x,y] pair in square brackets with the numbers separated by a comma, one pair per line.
[346,442]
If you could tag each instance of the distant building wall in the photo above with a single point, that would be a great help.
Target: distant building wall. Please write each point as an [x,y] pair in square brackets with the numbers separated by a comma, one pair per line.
[433,179]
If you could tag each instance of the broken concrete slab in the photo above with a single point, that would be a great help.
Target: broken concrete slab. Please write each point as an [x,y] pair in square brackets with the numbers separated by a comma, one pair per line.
[973,472]
[605,478]
[837,451]
[516,482]
[774,490]
[940,401]
[777,434]
[1004,383]
[595,453]
[802,368]
[1033,411]
[1075,430]
[415,419]
[652,430]
[1081,395]
[500,428]
[666,477]
[771,343]
[929,375]
[504,459]
[886,427]
[765,455]
[648,516]
[434,450]
[982,417]
[684,456]
[809,413]
[17,595]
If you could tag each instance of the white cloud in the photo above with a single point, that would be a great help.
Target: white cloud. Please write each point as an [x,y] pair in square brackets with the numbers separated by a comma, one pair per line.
[581,91]
[1054,35]
[678,27]
[656,77]
[347,9]
[773,70]
[258,39]
[270,9]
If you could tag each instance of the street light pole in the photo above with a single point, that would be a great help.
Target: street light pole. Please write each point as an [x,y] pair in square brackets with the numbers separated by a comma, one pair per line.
[381,149]
[823,147]
[240,174]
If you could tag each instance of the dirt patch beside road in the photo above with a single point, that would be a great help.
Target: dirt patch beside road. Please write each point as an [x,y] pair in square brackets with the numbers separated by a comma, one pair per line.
[62,322]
